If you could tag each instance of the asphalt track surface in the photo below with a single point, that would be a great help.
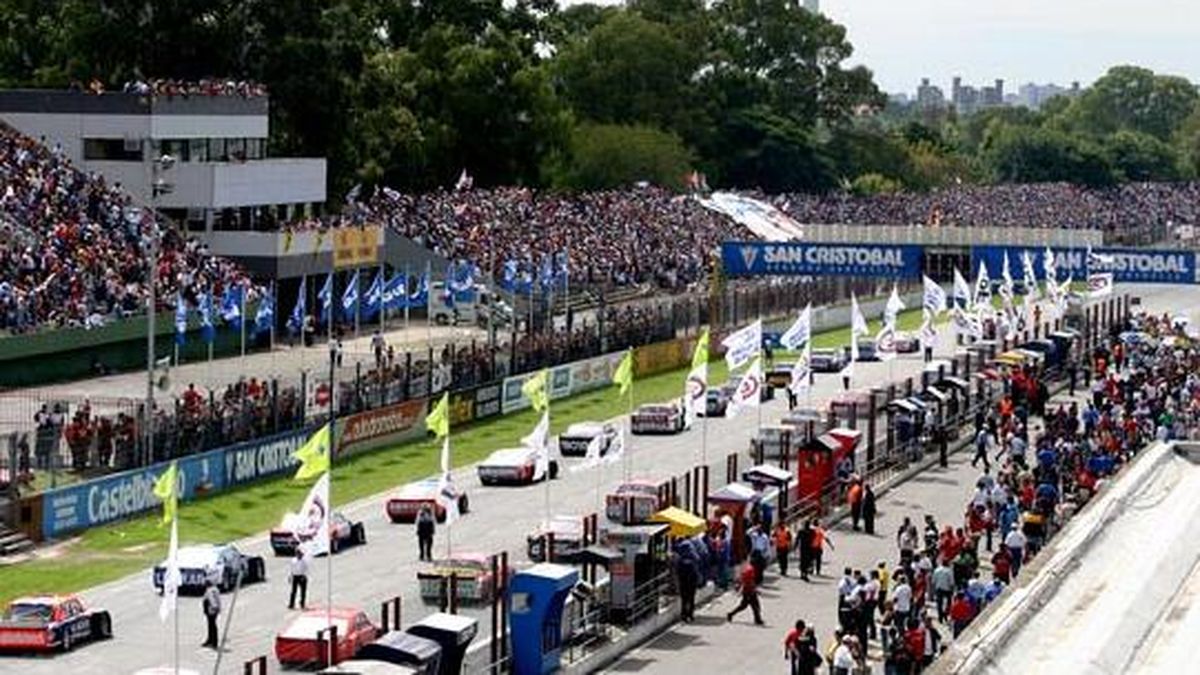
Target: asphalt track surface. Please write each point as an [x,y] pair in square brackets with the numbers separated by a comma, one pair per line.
[363,577]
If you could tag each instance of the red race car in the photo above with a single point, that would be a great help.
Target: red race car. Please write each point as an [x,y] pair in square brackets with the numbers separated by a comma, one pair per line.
[404,507]
[297,644]
[51,622]
[473,573]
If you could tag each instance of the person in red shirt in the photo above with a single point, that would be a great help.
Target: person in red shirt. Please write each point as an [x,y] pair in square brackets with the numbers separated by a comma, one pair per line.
[749,588]
[1002,564]
[961,612]
[914,639]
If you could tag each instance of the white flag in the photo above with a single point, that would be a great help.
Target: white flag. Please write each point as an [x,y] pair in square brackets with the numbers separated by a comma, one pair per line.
[172,577]
[983,287]
[935,297]
[743,345]
[1006,285]
[891,311]
[1100,284]
[537,440]
[885,342]
[446,495]
[1049,268]
[311,525]
[858,322]
[749,390]
[928,332]
[695,391]
[1101,260]
[617,448]
[1031,284]
[802,370]
[968,322]
[800,331]
[962,291]
[848,369]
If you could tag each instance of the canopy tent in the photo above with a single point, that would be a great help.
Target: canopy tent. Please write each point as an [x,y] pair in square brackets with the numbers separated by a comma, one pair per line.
[682,523]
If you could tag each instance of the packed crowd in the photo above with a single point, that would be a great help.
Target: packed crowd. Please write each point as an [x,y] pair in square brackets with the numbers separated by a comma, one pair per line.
[72,247]
[1128,207]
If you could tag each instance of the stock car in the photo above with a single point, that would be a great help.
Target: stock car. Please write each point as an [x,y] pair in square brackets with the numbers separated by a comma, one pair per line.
[222,563]
[568,539]
[780,375]
[404,507]
[716,403]
[827,360]
[657,419]
[907,343]
[633,502]
[47,623]
[513,466]
[342,533]
[764,393]
[474,581]
[297,644]
[575,440]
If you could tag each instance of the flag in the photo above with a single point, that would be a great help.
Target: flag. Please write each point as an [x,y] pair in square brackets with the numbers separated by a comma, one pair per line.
[206,325]
[265,318]
[1027,272]
[962,291]
[166,488]
[700,353]
[1049,268]
[891,311]
[802,370]
[617,448]
[749,389]
[313,455]
[928,332]
[296,319]
[172,577]
[858,322]
[325,297]
[447,496]
[1101,260]
[438,419]
[373,302]
[508,280]
[848,369]
[350,298]
[288,235]
[591,457]
[800,331]
[534,389]
[934,298]
[310,525]
[420,296]
[1100,284]
[1006,285]
[983,287]
[395,293]
[231,306]
[537,440]
[695,388]
[885,342]
[623,375]
[743,345]
[464,182]
[180,319]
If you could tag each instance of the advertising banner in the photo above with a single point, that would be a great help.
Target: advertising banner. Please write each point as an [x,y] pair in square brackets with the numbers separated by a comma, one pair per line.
[594,373]
[661,357]
[356,246]
[757,258]
[382,426]
[1128,265]
[462,407]
[487,401]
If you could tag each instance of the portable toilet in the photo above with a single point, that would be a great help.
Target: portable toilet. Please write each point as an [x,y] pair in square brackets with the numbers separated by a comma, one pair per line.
[536,599]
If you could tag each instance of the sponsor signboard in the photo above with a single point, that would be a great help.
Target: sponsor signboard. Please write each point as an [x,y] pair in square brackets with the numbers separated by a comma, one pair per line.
[487,401]
[462,407]
[382,426]
[356,246]
[594,373]
[112,498]
[1128,265]
[754,258]
[661,357]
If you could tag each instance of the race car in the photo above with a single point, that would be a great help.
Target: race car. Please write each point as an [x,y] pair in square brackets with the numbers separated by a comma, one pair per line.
[568,539]
[575,440]
[404,507]
[513,466]
[633,502]
[657,419]
[827,360]
[474,582]
[222,563]
[765,393]
[47,623]
[716,403]
[780,375]
[297,644]
[907,343]
[342,533]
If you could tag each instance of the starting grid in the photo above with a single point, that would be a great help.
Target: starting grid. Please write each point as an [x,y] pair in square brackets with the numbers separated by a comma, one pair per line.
[908,261]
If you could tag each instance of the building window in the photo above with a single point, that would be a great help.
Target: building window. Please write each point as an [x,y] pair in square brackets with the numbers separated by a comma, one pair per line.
[198,150]
[177,148]
[236,147]
[216,150]
[112,149]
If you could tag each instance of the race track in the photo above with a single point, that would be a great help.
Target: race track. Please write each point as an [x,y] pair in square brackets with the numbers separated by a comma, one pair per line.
[385,567]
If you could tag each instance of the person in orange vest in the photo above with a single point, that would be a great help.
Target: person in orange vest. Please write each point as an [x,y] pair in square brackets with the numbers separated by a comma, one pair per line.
[854,498]
[782,538]
[820,539]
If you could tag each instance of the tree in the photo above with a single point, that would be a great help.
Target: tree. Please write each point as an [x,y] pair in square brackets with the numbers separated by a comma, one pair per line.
[764,150]
[1028,155]
[871,184]
[1132,98]
[604,156]
[1141,157]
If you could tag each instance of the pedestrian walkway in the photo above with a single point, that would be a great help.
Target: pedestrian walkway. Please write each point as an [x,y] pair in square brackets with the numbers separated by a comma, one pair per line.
[711,645]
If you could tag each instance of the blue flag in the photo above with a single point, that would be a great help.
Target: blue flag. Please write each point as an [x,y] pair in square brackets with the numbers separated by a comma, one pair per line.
[350,298]
[546,273]
[509,279]
[373,302]
[296,320]
[231,306]
[420,297]
[448,291]
[325,296]
[207,331]
[265,318]
[395,294]
[180,319]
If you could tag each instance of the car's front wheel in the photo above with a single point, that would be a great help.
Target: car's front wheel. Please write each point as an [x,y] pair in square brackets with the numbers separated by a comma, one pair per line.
[553,469]
[101,626]
[463,504]
[358,533]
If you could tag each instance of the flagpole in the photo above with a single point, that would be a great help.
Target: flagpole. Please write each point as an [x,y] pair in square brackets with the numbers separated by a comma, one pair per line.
[333,350]
[175,609]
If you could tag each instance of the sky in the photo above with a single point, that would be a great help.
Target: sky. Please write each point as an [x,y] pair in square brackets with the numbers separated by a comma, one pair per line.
[1017,40]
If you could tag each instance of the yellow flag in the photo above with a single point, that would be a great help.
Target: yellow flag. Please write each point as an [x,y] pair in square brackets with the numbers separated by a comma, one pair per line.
[287,241]
[623,375]
[700,356]
[166,488]
[438,419]
[314,455]
[535,390]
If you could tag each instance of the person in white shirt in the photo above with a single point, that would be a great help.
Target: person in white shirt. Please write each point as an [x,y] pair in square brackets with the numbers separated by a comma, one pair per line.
[843,657]
[212,609]
[298,573]
[1015,541]
[902,599]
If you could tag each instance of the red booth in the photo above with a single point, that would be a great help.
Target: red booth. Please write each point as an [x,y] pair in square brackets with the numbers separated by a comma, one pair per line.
[737,500]
[819,459]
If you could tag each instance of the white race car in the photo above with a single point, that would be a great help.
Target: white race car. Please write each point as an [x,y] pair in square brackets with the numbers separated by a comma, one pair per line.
[514,466]
[657,419]
[220,563]
[575,440]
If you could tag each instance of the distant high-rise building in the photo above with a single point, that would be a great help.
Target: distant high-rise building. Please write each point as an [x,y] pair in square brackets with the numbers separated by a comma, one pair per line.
[813,6]
[1034,96]
[929,96]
